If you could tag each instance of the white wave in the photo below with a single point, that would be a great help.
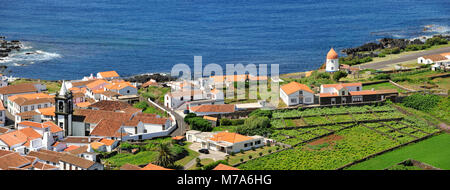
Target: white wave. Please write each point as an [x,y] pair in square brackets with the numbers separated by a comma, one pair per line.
[28,57]
[440,29]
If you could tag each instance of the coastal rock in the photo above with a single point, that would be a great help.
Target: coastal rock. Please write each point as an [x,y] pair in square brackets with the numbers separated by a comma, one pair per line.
[146,77]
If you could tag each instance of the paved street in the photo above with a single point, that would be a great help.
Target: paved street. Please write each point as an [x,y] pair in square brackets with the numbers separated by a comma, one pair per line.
[409,57]
[215,155]
[181,125]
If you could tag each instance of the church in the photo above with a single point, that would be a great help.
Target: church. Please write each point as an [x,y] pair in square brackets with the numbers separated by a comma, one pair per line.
[332,62]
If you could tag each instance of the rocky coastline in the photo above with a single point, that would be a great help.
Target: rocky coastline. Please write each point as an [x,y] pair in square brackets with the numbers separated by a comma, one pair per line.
[6,47]
[370,49]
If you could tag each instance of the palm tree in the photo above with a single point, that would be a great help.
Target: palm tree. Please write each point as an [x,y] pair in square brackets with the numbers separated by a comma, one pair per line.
[165,156]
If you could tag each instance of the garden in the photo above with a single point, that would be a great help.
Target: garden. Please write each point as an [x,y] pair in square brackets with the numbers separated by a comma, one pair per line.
[360,131]
[149,151]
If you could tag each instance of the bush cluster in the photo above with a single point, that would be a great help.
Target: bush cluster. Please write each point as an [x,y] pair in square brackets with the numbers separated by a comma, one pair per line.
[422,102]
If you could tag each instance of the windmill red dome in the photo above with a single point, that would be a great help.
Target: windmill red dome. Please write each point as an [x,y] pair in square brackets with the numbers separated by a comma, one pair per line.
[332,54]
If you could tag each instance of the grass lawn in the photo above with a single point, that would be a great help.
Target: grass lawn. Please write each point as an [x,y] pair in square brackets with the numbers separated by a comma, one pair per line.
[204,162]
[237,157]
[225,128]
[382,86]
[155,93]
[406,64]
[141,158]
[191,155]
[434,151]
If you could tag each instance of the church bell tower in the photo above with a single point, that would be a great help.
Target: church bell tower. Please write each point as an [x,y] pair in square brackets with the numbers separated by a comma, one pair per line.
[64,109]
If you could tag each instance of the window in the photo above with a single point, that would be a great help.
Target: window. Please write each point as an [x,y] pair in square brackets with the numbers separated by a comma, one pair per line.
[293,100]
[357,88]
[45,105]
[300,92]
[343,93]
[257,142]
[32,107]
[128,91]
[25,108]
[181,98]
[39,106]
[308,99]
[61,106]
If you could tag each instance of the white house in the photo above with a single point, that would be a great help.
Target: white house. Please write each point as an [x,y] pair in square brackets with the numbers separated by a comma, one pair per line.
[295,93]
[25,88]
[225,141]
[29,102]
[175,99]
[108,75]
[431,59]
[71,162]
[341,88]
[123,88]
[56,132]
[24,140]
[332,62]
[213,109]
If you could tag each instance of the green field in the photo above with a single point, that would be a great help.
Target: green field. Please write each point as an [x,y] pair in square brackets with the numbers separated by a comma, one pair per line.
[356,143]
[434,151]
[383,86]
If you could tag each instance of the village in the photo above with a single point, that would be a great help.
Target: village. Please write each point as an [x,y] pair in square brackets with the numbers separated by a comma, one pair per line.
[104,122]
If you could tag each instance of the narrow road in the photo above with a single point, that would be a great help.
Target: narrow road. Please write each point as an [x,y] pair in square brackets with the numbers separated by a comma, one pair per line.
[409,57]
[181,125]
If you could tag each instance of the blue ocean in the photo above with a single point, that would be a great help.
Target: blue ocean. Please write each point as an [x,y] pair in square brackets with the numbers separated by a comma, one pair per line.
[70,39]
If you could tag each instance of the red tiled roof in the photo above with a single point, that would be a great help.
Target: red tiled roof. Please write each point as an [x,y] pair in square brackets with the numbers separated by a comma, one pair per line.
[341,84]
[294,87]
[70,148]
[216,108]
[229,137]
[224,167]
[13,160]
[332,54]
[109,128]
[109,74]
[18,88]
[151,166]
[130,167]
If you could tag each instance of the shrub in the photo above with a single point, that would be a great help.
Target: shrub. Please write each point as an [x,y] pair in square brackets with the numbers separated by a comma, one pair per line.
[232,153]
[436,40]
[255,126]
[198,123]
[338,75]
[250,157]
[253,148]
[270,151]
[214,164]
[225,122]
[261,113]
[242,151]
[382,77]
[421,102]
[242,160]
[260,153]
[141,105]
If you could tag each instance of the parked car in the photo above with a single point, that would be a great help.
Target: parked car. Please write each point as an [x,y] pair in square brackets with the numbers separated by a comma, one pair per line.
[204,151]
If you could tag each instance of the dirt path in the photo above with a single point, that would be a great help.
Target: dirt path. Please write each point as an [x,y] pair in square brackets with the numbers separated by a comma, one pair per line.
[409,57]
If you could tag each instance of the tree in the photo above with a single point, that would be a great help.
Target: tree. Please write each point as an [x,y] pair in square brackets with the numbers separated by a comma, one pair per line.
[165,156]
[339,74]
[255,125]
